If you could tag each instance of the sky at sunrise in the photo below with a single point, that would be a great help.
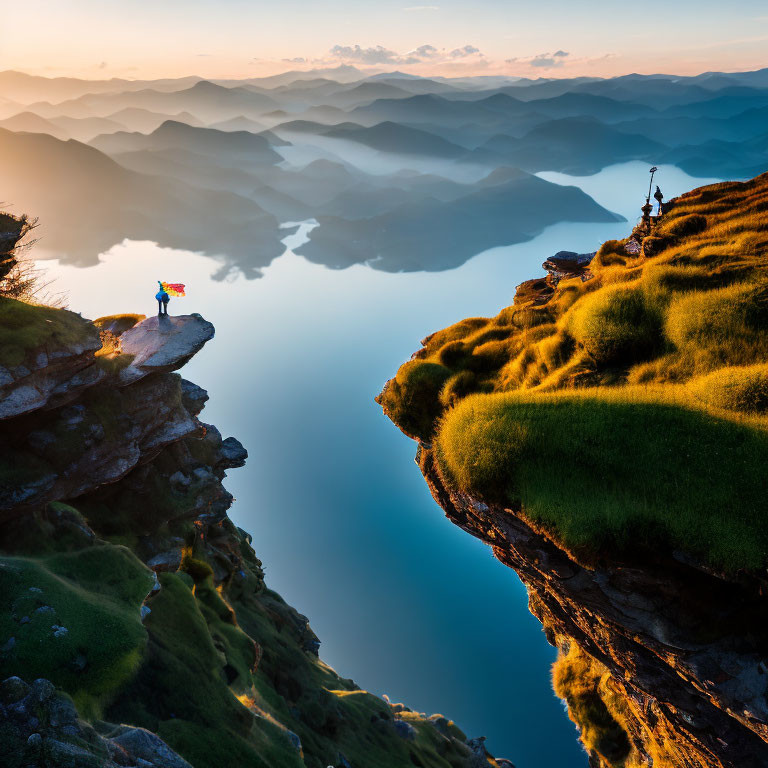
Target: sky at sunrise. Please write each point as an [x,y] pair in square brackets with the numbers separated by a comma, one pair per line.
[246,38]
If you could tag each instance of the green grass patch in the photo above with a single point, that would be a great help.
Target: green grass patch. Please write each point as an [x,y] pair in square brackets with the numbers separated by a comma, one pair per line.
[616,325]
[412,398]
[24,327]
[117,324]
[182,680]
[95,593]
[616,471]
[730,322]
[266,747]
[743,389]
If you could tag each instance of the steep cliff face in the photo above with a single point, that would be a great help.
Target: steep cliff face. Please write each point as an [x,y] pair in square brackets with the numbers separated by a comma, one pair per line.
[604,436]
[136,628]
[675,671]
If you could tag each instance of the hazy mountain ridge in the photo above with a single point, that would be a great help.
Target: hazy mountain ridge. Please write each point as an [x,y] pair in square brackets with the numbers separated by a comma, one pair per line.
[252,144]
[87,203]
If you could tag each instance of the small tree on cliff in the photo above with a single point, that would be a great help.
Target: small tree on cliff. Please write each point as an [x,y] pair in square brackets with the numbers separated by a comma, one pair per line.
[20,278]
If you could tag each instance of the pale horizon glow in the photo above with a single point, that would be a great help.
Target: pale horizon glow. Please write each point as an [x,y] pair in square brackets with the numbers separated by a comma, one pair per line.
[241,38]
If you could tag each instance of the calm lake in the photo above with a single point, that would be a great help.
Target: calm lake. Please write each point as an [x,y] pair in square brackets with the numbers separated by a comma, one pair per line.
[404,602]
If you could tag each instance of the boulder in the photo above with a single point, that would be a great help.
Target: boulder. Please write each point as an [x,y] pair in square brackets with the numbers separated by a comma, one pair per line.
[568,264]
[146,745]
[166,561]
[479,758]
[162,344]
[39,721]
[404,729]
[232,454]
[193,396]
[294,739]
[13,689]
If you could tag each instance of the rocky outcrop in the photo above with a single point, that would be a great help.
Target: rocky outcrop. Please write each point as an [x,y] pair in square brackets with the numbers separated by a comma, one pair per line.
[95,441]
[162,344]
[564,265]
[50,375]
[112,428]
[684,648]
[124,583]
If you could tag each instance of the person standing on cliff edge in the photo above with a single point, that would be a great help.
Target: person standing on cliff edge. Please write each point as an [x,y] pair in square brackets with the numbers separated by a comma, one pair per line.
[164,294]
[162,300]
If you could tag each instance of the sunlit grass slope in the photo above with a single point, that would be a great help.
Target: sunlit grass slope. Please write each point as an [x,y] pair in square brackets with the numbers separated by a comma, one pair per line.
[625,413]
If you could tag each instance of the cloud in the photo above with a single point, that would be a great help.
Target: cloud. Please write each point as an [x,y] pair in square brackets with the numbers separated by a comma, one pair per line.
[462,53]
[295,60]
[417,8]
[546,61]
[425,52]
[375,55]
[378,54]
[542,60]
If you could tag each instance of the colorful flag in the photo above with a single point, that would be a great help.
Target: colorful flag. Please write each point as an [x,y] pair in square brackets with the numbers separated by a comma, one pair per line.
[174,289]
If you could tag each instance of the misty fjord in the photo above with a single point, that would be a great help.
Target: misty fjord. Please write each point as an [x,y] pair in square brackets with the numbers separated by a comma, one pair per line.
[254,260]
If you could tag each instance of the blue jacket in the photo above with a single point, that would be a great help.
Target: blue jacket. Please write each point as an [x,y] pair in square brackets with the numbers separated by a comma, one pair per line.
[162,296]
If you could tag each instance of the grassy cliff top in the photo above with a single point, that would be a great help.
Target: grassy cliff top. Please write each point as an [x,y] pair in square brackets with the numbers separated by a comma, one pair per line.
[627,411]
[25,327]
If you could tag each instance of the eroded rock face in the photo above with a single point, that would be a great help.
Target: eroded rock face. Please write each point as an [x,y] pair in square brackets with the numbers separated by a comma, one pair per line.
[111,429]
[53,374]
[684,648]
[97,441]
[50,376]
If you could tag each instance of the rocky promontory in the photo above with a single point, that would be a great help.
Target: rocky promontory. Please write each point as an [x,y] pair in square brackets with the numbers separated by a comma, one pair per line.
[136,628]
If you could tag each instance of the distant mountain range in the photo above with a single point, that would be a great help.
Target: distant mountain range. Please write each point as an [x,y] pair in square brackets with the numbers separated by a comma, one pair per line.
[434,235]
[401,171]
[575,145]
[240,147]
[87,203]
